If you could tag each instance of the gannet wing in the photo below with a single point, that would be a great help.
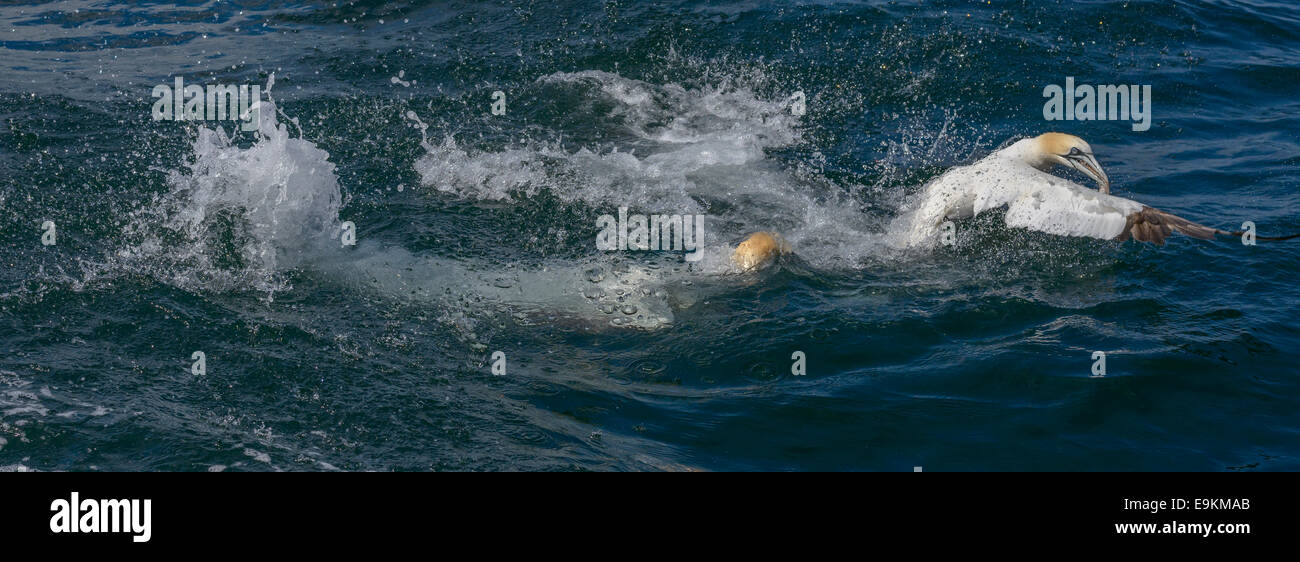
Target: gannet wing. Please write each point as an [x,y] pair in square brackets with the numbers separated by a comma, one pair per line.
[1060,207]
[1068,209]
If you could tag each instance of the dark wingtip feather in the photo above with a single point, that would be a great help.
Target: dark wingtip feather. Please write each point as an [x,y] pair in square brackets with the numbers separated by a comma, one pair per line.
[1153,225]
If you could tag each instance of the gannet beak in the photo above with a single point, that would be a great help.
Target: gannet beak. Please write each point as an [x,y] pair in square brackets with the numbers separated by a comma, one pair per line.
[1086,163]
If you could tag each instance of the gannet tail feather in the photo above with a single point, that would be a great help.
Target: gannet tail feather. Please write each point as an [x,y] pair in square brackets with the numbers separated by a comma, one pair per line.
[1153,225]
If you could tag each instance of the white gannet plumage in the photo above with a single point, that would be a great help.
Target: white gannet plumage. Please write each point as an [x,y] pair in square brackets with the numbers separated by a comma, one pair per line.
[1017,177]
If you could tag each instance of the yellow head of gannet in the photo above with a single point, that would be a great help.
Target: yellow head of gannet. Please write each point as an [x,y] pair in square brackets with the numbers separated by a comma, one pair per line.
[758,250]
[1068,150]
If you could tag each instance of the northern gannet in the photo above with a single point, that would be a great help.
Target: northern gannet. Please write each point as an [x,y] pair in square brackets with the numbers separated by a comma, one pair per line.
[758,250]
[1016,177]
[591,292]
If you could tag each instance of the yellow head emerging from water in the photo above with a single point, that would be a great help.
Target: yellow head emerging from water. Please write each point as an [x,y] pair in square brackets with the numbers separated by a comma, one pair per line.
[758,250]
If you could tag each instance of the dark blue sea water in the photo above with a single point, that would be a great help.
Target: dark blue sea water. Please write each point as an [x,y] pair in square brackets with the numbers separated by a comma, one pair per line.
[478,236]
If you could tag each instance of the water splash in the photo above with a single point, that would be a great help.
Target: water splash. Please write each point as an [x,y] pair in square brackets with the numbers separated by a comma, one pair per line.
[706,150]
[236,217]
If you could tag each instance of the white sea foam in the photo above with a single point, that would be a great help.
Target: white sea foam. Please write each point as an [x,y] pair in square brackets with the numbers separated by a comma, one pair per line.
[699,151]
[16,398]
[257,455]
